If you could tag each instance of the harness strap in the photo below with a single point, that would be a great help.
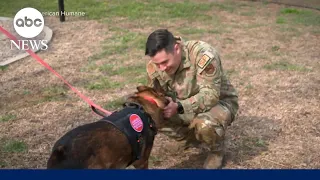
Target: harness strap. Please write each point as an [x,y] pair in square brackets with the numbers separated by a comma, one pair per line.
[120,120]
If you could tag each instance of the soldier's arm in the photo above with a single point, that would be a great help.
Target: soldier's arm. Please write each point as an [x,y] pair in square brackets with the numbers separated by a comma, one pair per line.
[209,75]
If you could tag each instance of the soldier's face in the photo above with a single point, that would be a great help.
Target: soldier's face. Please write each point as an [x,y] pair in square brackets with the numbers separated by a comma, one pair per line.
[168,62]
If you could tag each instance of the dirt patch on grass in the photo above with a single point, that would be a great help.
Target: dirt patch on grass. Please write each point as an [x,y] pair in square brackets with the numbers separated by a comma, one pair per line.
[274,67]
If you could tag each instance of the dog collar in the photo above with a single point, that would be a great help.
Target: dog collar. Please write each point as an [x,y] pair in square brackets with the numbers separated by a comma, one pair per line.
[151,123]
[150,100]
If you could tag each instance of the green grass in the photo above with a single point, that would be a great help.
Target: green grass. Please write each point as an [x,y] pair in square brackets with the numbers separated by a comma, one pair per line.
[245,4]
[316,31]
[107,72]
[290,11]
[93,9]
[155,9]
[133,10]
[251,12]
[252,25]
[227,6]
[128,38]
[298,16]
[215,31]
[154,160]
[134,70]
[249,86]
[289,29]
[228,40]
[159,10]
[14,146]
[3,68]
[26,92]
[280,20]
[183,10]
[118,69]
[152,9]
[127,72]
[122,42]
[7,117]
[3,164]
[107,68]
[275,48]
[115,104]
[261,143]
[103,83]
[286,66]
[253,144]
[142,80]
[255,55]
[53,93]
[189,30]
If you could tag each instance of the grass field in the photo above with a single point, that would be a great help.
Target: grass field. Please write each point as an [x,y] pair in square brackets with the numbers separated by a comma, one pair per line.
[270,52]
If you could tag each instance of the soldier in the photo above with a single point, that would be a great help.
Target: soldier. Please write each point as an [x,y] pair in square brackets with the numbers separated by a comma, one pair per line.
[202,100]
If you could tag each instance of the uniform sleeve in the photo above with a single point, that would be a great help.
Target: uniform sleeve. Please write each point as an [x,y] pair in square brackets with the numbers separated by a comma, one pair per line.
[209,74]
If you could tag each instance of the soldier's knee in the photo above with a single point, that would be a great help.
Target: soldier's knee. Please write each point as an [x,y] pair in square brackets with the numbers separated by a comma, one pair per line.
[208,131]
[222,115]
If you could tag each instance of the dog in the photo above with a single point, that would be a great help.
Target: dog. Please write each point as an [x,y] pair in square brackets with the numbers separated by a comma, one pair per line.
[115,142]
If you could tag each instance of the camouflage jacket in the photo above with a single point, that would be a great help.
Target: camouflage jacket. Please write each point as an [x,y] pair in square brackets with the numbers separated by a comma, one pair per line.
[199,82]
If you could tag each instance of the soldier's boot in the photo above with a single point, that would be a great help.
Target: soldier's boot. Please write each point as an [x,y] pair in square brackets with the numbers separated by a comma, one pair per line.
[211,132]
[215,158]
[216,151]
[215,143]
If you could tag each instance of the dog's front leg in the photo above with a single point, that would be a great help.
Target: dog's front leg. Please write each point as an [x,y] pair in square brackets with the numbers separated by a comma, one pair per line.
[143,164]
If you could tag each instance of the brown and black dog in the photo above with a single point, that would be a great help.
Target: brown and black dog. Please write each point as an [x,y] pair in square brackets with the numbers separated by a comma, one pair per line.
[117,141]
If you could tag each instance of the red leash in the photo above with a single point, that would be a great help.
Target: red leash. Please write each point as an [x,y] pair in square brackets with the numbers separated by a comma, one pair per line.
[36,57]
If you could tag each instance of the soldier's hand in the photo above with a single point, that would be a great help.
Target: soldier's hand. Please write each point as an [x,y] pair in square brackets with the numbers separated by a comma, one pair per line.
[171,109]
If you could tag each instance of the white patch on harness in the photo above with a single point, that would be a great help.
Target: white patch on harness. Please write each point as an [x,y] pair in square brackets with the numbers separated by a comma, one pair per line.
[136,122]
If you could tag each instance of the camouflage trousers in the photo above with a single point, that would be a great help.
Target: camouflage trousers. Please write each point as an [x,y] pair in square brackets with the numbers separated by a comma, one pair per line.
[204,128]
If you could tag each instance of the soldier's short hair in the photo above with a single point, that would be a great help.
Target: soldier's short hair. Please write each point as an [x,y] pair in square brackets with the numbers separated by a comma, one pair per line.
[158,40]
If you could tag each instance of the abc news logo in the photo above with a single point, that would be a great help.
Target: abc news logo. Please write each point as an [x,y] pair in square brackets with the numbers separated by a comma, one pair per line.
[29,23]
[26,22]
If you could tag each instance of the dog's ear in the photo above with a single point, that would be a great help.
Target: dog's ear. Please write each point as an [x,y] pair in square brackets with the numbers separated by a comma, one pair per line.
[157,87]
[142,88]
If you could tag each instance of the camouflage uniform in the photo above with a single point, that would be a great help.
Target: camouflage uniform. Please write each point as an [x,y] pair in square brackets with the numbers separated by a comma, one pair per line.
[209,100]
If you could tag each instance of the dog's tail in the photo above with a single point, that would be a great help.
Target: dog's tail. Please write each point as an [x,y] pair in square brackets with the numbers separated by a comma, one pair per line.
[57,157]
